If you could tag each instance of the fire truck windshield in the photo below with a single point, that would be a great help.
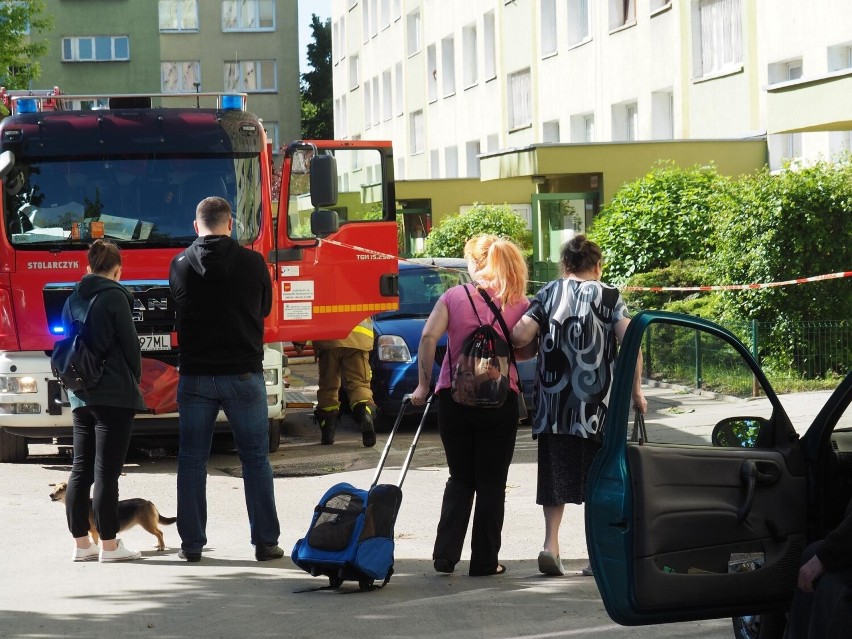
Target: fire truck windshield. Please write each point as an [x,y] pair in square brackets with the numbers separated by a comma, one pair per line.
[138,201]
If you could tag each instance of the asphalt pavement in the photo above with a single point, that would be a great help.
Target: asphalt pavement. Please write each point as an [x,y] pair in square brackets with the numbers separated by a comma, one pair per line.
[229,594]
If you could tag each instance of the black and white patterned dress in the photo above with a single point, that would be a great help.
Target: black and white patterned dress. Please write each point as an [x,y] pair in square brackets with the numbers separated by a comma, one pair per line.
[577,349]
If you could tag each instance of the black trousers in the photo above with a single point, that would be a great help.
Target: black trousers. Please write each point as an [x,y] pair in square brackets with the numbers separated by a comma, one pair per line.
[101,439]
[479,444]
[827,613]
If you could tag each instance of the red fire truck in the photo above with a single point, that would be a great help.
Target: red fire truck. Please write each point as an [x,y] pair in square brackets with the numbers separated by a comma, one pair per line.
[132,169]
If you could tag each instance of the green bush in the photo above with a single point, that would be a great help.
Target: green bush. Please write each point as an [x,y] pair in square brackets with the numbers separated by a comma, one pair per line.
[677,273]
[664,216]
[448,238]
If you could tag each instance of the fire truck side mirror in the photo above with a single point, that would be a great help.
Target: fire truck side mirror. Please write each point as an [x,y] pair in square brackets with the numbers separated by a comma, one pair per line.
[324,222]
[323,181]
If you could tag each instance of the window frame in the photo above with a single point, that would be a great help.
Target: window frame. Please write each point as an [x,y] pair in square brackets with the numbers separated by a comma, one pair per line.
[180,74]
[239,16]
[75,41]
[179,12]
[240,83]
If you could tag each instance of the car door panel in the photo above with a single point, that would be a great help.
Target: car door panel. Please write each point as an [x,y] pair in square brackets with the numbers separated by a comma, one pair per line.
[666,515]
[687,527]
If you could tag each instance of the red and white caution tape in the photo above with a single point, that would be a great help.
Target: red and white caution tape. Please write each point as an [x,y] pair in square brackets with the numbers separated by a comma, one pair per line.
[740,287]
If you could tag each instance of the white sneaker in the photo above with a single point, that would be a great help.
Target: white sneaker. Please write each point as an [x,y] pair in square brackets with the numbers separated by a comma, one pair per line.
[119,554]
[86,554]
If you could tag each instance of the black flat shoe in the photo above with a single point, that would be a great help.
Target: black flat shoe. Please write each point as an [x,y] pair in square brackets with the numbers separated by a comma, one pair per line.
[443,565]
[499,570]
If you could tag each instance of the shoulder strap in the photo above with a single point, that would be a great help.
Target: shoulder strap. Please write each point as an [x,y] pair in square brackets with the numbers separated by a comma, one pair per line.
[89,307]
[499,315]
[472,305]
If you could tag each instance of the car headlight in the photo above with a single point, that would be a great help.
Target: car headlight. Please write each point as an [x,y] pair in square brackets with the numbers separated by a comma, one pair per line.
[270,376]
[392,348]
[25,384]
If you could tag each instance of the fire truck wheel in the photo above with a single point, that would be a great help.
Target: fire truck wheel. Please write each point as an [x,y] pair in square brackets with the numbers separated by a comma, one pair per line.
[274,435]
[13,449]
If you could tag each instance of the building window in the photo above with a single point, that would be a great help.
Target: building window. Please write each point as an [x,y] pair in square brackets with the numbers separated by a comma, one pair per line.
[472,153]
[416,133]
[583,128]
[354,79]
[471,58]
[96,49]
[386,17]
[368,105]
[451,162]
[397,9]
[400,88]
[413,28]
[344,119]
[548,27]
[377,106]
[448,66]
[490,50]
[662,115]
[271,129]
[784,71]
[251,76]
[625,122]
[717,30]
[432,72]
[550,131]
[435,163]
[840,57]
[387,95]
[578,21]
[178,15]
[180,77]
[492,143]
[621,13]
[248,15]
[520,100]
[658,5]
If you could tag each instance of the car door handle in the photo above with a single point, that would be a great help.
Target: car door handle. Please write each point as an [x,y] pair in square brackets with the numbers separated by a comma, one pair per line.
[755,473]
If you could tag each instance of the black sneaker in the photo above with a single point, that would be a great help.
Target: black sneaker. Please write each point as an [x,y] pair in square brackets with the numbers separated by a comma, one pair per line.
[191,557]
[327,420]
[265,552]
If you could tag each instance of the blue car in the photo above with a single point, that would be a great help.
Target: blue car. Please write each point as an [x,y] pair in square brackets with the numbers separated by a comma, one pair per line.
[397,335]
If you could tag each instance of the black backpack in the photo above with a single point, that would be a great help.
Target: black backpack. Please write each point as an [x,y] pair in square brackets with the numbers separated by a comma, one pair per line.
[73,361]
[481,374]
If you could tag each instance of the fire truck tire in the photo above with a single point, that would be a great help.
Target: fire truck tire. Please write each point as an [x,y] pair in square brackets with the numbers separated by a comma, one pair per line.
[13,449]
[274,435]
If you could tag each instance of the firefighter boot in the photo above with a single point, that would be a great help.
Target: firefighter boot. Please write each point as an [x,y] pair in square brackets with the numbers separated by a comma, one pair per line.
[327,420]
[363,413]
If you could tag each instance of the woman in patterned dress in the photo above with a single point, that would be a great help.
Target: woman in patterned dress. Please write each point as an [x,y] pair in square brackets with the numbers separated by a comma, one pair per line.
[577,320]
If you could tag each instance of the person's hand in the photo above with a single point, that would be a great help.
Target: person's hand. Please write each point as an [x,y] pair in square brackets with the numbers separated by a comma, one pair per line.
[809,573]
[640,403]
[299,347]
[420,395]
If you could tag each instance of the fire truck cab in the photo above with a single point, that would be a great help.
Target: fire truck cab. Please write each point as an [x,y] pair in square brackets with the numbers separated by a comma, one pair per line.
[132,169]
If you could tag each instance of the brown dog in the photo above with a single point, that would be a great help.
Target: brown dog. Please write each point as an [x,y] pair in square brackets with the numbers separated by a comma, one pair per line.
[130,513]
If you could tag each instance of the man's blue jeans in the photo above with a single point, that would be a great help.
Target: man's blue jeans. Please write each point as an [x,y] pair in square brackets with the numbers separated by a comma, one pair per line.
[243,398]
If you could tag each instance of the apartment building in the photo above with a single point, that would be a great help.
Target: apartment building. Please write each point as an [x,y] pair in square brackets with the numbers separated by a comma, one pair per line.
[550,105]
[167,46]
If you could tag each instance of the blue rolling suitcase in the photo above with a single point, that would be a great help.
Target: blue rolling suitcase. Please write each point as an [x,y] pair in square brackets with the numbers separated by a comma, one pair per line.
[351,533]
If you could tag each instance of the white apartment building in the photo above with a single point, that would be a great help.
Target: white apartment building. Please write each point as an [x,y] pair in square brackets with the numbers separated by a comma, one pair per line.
[455,84]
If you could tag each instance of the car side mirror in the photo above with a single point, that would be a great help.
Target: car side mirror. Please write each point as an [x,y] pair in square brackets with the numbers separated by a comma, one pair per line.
[323,181]
[324,222]
[738,432]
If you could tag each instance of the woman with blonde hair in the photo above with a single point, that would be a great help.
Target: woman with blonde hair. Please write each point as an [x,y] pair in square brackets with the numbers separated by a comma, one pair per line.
[478,441]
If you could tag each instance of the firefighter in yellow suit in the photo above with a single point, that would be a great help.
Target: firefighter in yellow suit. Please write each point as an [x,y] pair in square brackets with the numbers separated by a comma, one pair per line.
[347,359]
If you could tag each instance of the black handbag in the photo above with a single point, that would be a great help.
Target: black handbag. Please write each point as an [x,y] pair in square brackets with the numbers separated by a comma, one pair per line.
[639,433]
[73,361]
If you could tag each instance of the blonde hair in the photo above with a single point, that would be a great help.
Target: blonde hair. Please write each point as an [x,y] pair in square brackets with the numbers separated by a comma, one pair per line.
[498,265]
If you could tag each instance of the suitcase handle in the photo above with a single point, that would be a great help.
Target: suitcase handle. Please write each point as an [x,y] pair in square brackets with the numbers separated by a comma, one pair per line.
[406,400]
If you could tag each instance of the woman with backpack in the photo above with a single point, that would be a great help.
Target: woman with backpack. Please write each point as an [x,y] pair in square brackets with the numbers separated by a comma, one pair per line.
[577,319]
[102,415]
[478,433]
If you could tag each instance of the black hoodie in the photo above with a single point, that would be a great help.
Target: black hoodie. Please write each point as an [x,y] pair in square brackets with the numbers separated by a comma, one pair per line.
[109,330]
[222,291]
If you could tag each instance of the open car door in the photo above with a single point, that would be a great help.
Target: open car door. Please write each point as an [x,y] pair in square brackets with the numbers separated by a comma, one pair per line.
[683,521]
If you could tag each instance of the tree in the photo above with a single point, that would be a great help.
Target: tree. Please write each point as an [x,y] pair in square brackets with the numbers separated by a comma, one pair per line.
[453,231]
[19,53]
[317,105]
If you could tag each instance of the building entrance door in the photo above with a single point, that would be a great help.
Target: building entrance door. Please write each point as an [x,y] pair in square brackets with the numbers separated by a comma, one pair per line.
[557,217]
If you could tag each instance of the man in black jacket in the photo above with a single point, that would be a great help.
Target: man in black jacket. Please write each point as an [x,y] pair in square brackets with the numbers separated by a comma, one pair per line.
[222,291]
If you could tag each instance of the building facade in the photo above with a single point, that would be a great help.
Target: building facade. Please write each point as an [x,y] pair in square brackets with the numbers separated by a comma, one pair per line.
[144,46]
[553,96]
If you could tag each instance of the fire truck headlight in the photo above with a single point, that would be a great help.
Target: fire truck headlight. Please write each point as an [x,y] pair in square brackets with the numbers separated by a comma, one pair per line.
[15,384]
[392,348]
[270,376]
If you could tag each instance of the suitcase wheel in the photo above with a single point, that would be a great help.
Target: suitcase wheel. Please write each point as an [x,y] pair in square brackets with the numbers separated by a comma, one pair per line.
[335,582]
[365,584]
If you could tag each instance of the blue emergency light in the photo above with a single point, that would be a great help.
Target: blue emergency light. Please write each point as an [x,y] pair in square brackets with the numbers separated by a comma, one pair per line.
[232,103]
[27,105]
[57,330]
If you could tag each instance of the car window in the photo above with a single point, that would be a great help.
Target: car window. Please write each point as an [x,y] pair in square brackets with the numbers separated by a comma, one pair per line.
[694,381]
[419,289]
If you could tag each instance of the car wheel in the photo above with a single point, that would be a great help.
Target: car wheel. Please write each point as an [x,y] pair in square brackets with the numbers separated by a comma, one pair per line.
[13,449]
[274,435]
[769,626]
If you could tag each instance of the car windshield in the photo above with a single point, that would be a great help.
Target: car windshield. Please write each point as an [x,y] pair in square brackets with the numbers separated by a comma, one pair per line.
[137,201]
[420,288]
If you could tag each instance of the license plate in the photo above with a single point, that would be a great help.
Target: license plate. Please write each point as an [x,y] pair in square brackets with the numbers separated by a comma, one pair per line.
[155,342]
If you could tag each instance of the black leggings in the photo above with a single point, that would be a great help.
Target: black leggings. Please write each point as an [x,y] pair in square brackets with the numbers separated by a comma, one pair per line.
[101,439]
[479,444]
